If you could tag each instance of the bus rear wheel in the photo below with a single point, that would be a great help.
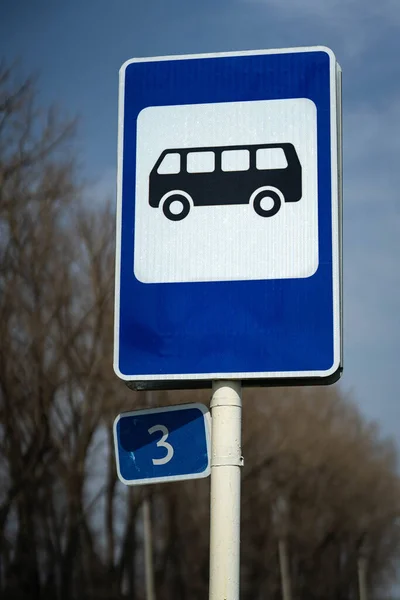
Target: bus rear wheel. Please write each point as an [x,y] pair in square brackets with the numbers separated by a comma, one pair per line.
[176,207]
[266,202]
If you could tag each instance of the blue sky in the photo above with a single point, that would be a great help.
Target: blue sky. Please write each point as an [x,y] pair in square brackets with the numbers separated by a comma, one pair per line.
[77,48]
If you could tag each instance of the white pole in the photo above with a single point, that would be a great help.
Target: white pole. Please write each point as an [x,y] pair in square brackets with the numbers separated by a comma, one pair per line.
[147,534]
[148,550]
[226,461]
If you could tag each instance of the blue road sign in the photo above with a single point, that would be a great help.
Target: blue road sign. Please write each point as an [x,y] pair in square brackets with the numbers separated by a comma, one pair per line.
[163,444]
[228,225]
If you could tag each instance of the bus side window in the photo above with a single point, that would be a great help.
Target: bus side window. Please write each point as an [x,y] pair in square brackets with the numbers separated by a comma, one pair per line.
[170,165]
[200,162]
[271,158]
[235,160]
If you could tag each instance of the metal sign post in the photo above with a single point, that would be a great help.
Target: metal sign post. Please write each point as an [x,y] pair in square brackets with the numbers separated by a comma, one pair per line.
[226,461]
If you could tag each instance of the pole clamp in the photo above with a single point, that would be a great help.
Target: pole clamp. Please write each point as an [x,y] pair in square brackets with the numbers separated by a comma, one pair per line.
[227,461]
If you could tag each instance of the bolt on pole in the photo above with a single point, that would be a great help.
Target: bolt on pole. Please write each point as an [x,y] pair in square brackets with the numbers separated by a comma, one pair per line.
[226,462]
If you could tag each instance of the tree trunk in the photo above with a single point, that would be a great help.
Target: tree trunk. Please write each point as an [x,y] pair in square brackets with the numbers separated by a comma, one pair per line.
[284,568]
[362,578]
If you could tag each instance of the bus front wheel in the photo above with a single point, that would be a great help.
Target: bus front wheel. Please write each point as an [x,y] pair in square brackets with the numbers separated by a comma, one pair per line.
[266,202]
[176,207]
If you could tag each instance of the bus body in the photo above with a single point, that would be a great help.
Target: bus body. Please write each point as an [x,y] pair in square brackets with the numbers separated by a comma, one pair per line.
[226,174]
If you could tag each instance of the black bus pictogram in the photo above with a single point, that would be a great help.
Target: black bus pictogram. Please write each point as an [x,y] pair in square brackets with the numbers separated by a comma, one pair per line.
[264,176]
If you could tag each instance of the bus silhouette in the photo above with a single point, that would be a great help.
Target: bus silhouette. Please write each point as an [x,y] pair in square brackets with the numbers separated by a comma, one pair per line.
[262,175]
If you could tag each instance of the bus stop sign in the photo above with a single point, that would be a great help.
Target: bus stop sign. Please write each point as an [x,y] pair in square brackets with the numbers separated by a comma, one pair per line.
[228,258]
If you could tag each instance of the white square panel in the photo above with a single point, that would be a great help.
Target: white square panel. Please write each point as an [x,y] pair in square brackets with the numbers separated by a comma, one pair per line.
[228,240]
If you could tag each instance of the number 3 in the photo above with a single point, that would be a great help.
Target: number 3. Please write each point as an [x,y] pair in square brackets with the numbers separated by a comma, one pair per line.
[162,443]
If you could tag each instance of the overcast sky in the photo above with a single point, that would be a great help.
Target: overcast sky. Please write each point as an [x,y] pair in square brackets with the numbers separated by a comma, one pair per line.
[77,47]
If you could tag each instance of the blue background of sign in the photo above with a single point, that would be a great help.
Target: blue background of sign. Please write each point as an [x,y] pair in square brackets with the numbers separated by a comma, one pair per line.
[239,326]
[136,447]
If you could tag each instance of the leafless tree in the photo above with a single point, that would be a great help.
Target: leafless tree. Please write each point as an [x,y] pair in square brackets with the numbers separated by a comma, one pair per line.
[339,481]
[68,529]
[57,387]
